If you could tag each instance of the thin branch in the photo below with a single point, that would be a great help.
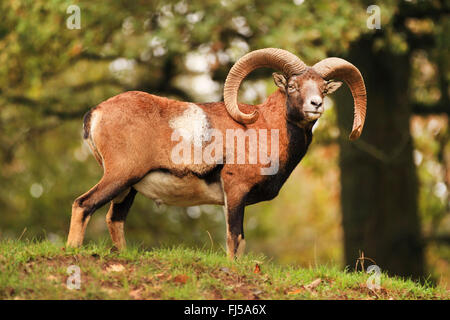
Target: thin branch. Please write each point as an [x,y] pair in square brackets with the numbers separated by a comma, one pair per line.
[99,57]
[445,239]
[424,109]
[89,84]
[424,9]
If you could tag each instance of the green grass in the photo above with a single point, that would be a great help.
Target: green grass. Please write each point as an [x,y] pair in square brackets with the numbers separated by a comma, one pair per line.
[38,270]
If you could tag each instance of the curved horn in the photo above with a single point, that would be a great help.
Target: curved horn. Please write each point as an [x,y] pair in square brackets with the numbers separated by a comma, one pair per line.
[278,59]
[330,68]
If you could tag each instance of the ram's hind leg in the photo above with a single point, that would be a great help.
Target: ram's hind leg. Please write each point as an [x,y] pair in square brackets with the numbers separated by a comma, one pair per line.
[115,218]
[107,189]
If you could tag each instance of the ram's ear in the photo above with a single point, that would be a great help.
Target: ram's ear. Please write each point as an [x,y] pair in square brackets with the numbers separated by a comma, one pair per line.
[332,86]
[280,81]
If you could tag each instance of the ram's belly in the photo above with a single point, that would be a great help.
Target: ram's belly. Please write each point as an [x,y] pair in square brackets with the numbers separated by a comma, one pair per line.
[186,191]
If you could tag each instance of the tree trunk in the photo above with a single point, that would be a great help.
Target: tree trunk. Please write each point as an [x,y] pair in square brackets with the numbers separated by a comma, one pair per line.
[378,175]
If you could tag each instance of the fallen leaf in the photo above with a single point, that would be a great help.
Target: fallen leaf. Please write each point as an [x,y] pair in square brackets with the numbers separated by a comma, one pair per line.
[160,275]
[52,278]
[136,294]
[257,269]
[163,276]
[256,294]
[181,279]
[313,284]
[373,294]
[113,249]
[266,278]
[10,291]
[108,291]
[225,270]
[115,268]
[76,49]
[296,291]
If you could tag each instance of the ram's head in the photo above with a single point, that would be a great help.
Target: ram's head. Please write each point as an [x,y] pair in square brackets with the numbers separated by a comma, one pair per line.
[305,87]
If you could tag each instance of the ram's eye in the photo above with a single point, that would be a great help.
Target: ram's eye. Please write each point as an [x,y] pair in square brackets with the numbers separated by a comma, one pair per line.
[291,87]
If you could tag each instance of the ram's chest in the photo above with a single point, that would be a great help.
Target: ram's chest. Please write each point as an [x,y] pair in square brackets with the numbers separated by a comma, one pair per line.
[190,190]
[298,141]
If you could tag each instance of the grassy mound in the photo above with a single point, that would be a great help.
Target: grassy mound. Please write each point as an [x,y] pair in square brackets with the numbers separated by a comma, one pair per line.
[39,270]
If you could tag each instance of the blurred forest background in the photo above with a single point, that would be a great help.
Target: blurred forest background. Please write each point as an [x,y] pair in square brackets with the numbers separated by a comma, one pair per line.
[386,195]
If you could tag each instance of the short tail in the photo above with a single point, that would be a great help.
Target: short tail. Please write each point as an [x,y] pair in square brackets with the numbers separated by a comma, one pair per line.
[87,124]
[88,137]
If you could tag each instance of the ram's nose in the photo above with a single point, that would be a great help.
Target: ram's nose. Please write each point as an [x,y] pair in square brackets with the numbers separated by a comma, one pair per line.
[316,102]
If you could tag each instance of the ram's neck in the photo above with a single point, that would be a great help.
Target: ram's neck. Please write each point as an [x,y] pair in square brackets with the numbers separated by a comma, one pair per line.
[293,144]
[273,110]
[295,138]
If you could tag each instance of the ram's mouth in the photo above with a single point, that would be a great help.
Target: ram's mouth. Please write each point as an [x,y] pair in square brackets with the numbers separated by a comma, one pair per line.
[313,112]
[313,115]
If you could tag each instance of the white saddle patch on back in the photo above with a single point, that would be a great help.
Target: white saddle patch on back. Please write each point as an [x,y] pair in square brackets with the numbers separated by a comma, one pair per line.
[193,125]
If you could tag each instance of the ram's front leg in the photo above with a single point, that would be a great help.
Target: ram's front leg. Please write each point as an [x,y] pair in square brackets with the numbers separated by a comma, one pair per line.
[234,216]
[234,204]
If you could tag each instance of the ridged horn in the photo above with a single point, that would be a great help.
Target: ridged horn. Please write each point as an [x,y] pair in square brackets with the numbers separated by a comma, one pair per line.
[332,68]
[278,59]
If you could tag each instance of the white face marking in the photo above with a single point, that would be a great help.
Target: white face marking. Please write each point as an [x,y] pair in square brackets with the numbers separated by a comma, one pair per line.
[192,125]
[313,91]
